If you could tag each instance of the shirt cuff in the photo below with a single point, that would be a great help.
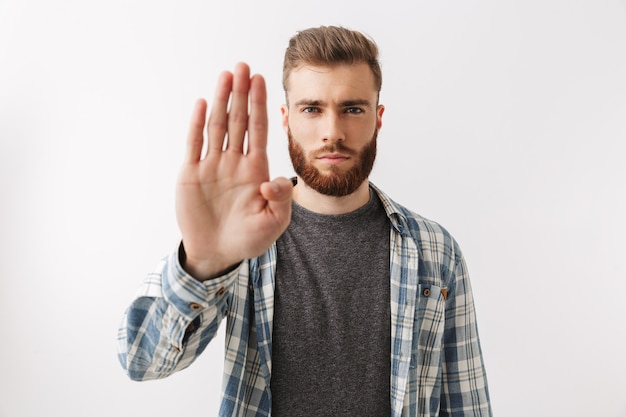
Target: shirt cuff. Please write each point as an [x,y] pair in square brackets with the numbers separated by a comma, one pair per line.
[188,295]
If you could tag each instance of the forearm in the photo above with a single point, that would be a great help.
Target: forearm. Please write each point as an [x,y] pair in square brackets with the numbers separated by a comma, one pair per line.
[171,321]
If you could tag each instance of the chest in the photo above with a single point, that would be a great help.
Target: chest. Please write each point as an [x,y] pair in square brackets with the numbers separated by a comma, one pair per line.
[334,265]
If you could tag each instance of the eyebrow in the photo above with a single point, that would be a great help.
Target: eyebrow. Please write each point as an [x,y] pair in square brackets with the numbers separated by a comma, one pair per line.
[345,103]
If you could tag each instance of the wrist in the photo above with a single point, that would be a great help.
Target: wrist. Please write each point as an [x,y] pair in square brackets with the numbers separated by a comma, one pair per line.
[204,269]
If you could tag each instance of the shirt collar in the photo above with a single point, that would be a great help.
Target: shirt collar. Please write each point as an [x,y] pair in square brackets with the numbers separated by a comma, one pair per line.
[395,212]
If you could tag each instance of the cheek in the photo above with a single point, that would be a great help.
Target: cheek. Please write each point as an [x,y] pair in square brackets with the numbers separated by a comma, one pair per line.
[303,132]
[363,133]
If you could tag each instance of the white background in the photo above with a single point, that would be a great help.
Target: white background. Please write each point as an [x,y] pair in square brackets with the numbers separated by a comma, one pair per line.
[505,122]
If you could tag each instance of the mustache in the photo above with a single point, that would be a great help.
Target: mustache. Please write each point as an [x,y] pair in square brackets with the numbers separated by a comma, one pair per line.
[337,147]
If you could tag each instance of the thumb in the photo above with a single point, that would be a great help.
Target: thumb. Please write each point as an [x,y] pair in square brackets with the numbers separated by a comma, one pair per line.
[278,196]
[277,191]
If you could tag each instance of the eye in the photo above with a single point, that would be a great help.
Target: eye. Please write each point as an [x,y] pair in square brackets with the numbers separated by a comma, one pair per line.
[354,110]
[310,110]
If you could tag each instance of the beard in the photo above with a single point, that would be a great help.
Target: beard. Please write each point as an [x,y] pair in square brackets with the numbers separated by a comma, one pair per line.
[334,183]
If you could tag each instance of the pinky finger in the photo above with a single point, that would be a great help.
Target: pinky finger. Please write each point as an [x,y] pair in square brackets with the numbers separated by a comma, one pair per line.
[195,137]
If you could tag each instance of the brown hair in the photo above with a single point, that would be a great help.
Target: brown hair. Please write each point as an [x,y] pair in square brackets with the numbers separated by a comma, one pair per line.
[331,45]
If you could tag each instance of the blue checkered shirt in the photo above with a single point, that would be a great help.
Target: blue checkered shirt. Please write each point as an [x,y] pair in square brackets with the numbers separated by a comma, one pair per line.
[436,361]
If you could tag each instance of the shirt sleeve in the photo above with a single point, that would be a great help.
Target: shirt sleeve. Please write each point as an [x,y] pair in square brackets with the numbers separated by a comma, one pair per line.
[171,320]
[464,380]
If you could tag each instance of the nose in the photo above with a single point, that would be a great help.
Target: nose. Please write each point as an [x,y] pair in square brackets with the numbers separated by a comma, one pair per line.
[333,130]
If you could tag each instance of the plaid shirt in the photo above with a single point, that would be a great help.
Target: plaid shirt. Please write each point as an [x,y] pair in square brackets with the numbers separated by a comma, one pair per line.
[436,360]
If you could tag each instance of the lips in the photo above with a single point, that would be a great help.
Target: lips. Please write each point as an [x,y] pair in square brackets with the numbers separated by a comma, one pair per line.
[333,158]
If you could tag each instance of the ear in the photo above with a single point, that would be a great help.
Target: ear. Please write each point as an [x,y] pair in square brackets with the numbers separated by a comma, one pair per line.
[284,111]
[379,116]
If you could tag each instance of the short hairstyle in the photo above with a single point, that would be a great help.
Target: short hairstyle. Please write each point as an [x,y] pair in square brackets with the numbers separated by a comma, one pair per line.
[329,46]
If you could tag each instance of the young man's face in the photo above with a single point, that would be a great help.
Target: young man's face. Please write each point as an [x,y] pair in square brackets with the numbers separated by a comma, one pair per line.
[332,119]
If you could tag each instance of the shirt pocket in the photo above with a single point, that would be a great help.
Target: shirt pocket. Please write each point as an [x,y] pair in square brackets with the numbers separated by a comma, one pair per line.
[428,328]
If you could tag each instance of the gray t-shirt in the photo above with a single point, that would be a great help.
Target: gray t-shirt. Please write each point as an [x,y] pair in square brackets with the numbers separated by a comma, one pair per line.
[331,342]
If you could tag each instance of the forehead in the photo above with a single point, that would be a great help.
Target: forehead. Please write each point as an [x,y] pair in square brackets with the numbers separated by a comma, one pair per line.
[354,81]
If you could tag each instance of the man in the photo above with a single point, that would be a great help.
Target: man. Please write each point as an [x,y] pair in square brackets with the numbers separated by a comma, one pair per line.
[338,301]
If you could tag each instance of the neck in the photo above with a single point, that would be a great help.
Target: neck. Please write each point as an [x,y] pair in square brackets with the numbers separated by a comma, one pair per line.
[324,204]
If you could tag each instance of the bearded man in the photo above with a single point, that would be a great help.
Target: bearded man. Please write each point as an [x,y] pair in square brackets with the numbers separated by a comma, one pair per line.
[338,301]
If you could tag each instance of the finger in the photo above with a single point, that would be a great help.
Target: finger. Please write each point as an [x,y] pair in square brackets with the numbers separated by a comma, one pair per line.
[217,124]
[238,112]
[195,136]
[278,191]
[257,126]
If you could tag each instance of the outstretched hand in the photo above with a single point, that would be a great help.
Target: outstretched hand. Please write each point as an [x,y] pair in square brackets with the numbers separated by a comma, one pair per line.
[227,209]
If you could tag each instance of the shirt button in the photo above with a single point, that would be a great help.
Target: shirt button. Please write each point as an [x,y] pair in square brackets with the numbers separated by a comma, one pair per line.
[195,306]
[221,291]
[426,292]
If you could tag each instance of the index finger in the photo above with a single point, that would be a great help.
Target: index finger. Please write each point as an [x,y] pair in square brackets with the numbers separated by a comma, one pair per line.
[257,122]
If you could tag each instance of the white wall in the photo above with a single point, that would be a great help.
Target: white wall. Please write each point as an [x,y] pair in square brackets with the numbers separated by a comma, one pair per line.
[505,122]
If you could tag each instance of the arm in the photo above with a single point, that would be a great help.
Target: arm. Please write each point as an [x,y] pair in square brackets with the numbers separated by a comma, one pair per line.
[464,381]
[221,197]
